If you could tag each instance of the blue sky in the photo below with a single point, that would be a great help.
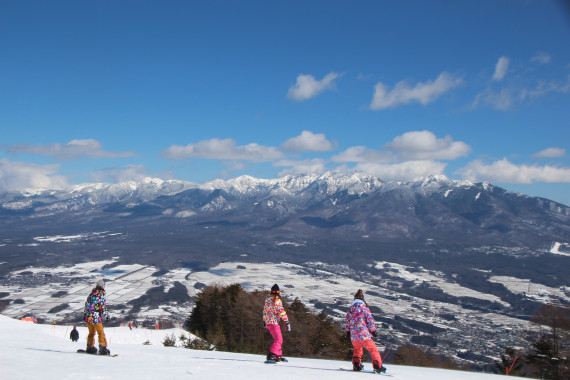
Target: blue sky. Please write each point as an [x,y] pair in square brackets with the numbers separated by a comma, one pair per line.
[120,90]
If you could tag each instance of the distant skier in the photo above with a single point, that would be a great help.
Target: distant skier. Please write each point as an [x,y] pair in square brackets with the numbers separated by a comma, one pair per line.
[74,335]
[273,312]
[360,328]
[130,326]
[94,314]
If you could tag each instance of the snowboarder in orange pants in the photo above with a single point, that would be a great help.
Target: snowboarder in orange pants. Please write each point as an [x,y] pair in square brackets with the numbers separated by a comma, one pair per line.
[360,327]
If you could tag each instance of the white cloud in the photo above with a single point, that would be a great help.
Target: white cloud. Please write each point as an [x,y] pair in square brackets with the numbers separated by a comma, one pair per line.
[501,69]
[314,166]
[411,155]
[541,57]
[508,97]
[308,141]
[544,88]
[506,172]
[550,153]
[414,146]
[502,101]
[402,171]
[22,175]
[363,154]
[424,145]
[121,174]
[70,151]
[403,93]
[227,149]
[308,87]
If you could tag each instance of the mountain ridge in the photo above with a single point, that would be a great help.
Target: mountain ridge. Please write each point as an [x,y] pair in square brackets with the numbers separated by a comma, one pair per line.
[355,198]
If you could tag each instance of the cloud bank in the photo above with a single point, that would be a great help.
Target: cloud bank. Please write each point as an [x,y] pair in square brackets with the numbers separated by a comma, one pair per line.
[70,151]
[403,171]
[24,175]
[226,149]
[121,174]
[312,166]
[507,172]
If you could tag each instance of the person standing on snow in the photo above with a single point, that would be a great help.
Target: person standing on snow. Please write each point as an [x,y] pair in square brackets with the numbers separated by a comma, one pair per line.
[95,313]
[360,327]
[74,335]
[273,312]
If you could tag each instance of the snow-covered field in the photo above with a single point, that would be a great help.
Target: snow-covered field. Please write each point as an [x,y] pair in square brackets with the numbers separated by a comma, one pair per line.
[312,283]
[32,351]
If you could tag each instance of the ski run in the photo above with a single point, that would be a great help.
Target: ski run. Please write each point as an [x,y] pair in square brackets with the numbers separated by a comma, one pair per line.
[34,351]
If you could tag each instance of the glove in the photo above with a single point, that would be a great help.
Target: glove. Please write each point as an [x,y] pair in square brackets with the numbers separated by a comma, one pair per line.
[374,334]
[264,325]
[288,327]
[107,318]
[348,335]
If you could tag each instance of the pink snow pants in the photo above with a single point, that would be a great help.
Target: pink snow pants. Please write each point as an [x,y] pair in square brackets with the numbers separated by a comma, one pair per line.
[275,331]
[370,346]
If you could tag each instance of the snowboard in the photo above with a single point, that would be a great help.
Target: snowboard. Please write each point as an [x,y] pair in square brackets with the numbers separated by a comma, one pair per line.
[274,362]
[85,352]
[367,371]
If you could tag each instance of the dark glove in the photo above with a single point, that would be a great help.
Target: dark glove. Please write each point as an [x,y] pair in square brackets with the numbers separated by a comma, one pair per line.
[374,334]
[348,335]
[107,319]
[264,325]
[288,327]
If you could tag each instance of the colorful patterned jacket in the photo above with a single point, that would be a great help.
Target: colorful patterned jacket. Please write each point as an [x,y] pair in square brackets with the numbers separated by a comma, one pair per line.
[273,312]
[359,321]
[96,307]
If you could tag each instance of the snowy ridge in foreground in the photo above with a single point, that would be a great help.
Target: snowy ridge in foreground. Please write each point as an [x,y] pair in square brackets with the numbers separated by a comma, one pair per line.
[30,351]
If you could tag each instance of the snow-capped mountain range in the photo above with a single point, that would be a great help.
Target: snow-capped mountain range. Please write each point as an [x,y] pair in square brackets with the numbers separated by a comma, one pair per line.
[148,189]
[342,204]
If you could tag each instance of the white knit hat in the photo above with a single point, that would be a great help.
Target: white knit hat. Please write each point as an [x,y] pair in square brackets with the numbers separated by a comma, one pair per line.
[101,284]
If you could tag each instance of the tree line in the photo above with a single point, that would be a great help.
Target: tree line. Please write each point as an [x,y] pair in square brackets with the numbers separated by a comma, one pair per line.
[230,319]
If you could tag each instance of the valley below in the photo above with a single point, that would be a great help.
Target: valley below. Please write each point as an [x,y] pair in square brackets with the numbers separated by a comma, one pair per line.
[471,314]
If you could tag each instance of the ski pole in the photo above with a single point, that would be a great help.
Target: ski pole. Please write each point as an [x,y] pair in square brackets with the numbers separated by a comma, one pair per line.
[511,367]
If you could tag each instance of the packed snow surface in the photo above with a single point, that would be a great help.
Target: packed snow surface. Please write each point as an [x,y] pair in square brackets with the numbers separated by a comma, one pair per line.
[32,351]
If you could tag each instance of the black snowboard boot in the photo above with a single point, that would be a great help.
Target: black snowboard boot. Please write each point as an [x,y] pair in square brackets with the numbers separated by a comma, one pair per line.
[280,359]
[90,349]
[271,357]
[357,364]
[104,350]
[378,368]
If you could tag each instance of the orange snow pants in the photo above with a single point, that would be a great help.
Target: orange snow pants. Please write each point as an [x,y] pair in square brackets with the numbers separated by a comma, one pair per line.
[96,328]
[370,347]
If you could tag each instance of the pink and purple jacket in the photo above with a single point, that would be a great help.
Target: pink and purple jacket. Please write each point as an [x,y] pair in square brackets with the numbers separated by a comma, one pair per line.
[273,312]
[359,321]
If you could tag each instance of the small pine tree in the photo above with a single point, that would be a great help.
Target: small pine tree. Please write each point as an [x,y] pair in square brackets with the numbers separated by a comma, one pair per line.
[197,344]
[169,341]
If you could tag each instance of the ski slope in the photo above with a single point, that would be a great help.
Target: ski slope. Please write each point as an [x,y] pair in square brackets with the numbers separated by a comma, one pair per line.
[32,351]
